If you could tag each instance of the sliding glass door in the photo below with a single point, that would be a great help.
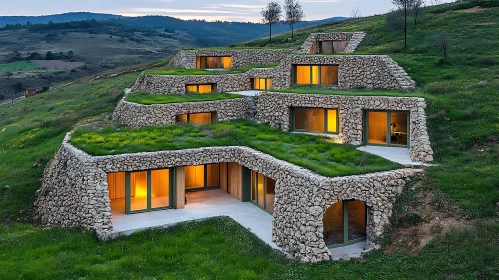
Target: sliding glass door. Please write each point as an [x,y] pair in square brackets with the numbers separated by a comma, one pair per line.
[389,128]
[262,191]
[345,223]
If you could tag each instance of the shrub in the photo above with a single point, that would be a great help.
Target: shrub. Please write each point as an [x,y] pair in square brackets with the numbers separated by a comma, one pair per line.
[267,137]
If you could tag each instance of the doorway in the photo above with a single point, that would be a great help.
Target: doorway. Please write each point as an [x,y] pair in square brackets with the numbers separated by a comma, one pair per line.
[345,223]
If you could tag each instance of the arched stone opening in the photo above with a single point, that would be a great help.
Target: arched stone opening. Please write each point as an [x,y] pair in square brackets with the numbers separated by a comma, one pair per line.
[345,223]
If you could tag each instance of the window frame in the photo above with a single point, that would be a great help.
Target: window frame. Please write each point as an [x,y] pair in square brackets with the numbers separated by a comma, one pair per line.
[365,136]
[319,74]
[212,85]
[199,61]
[347,242]
[172,191]
[293,120]
[214,117]
[252,81]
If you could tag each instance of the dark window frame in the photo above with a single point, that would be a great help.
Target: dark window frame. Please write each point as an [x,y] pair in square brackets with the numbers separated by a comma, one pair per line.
[365,136]
[205,57]
[293,120]
[214,117]
[295,76]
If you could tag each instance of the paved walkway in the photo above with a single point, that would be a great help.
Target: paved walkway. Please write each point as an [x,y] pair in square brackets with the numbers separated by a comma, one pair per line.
[348,252]
[202,205]
[396,154]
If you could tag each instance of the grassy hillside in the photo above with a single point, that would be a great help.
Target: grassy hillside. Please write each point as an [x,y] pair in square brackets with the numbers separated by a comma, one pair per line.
[463,120]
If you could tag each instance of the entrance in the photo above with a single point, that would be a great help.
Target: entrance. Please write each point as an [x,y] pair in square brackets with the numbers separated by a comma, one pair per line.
[388,128]
[262,191]
[345,223]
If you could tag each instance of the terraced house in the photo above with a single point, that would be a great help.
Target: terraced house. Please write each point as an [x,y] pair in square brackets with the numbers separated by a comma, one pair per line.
[282,141]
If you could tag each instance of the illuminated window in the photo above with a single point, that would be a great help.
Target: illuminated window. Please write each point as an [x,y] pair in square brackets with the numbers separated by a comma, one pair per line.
[316,74]
[213,62]
[202,176]
[197,118]
[387,128]
[262,83]
[328,47]
[317,120]
[262,191]
[200,89]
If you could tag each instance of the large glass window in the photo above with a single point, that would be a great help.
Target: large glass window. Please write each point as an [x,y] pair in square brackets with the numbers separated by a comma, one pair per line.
[200,89]
[345,223]
[316,74]
[328,47]
[201,176]
[197,118]
[262,83]
[213,62]
[317,120]
[262,191]
[387,128]
[139,191]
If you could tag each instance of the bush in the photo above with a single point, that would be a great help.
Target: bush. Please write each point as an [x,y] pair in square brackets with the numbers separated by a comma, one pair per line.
[488,60]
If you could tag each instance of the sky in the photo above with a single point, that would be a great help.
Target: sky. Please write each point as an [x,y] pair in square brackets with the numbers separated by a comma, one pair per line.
[229,10]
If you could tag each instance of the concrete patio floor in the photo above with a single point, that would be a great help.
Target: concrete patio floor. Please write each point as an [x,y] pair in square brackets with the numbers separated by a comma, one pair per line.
[396,154]
[348,252]
[201,205]
[247,92]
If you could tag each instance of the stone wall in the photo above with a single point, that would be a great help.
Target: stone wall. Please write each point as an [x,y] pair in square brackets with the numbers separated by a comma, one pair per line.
[274,109]
[355,71]
[74,192]
[138,115]
[240,58]
[311,44]
[176,84]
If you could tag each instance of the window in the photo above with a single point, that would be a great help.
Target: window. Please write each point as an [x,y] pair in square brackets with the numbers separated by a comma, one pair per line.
[202,176]
[261,83]
[316,74]
[390,128]
[140,191]
[201,89]
[213,62]
[197,118]
[345,223]
[328,47]
[262,191]
[317,120]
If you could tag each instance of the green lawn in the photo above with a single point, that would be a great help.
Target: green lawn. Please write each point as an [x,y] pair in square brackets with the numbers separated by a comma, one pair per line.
[23,66]
[313,152]
[149,99]
[195,71]
[220,248]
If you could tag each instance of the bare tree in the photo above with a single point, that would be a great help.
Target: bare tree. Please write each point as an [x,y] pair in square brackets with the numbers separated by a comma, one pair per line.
[404,7]
[417,10]
[356,13]
[271,15]
[294,14]
[442,41]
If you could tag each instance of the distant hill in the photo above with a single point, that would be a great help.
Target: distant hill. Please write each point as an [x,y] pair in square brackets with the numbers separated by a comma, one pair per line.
[207,34]
[78,16]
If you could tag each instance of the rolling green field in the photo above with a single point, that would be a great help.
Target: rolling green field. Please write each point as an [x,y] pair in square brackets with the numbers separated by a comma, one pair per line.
[19,66]
[463,122]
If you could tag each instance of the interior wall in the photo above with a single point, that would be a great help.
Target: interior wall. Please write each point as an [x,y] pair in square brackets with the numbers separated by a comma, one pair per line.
[377,127]
[236,180]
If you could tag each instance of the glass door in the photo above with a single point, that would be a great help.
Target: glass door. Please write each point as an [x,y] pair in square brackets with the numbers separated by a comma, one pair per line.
[345,223]
[148,190]
[262,191]
[388,128]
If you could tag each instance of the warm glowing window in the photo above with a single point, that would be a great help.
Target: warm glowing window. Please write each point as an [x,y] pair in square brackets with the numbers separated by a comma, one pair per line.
[345,222]
[387,128]
[262,191]
[197,118]
[213,62]
[262,83]
[317,120]
[200,89]
[316,74]
[160,191]
[201,176]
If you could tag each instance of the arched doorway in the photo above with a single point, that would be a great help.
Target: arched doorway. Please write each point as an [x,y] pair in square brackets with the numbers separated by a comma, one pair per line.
[345,223]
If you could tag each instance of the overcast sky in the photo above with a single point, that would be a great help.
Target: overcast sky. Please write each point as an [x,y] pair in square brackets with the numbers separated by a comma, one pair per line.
[230,10]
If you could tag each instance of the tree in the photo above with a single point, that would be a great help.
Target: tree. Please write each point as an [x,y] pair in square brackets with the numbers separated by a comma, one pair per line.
[294,14]
[356,13]
[18,86]
[417,10]
[49,56]
[398,18]
[442,41]
[271,15]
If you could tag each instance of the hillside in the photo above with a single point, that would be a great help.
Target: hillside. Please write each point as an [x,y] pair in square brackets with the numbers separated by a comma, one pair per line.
[457,202]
